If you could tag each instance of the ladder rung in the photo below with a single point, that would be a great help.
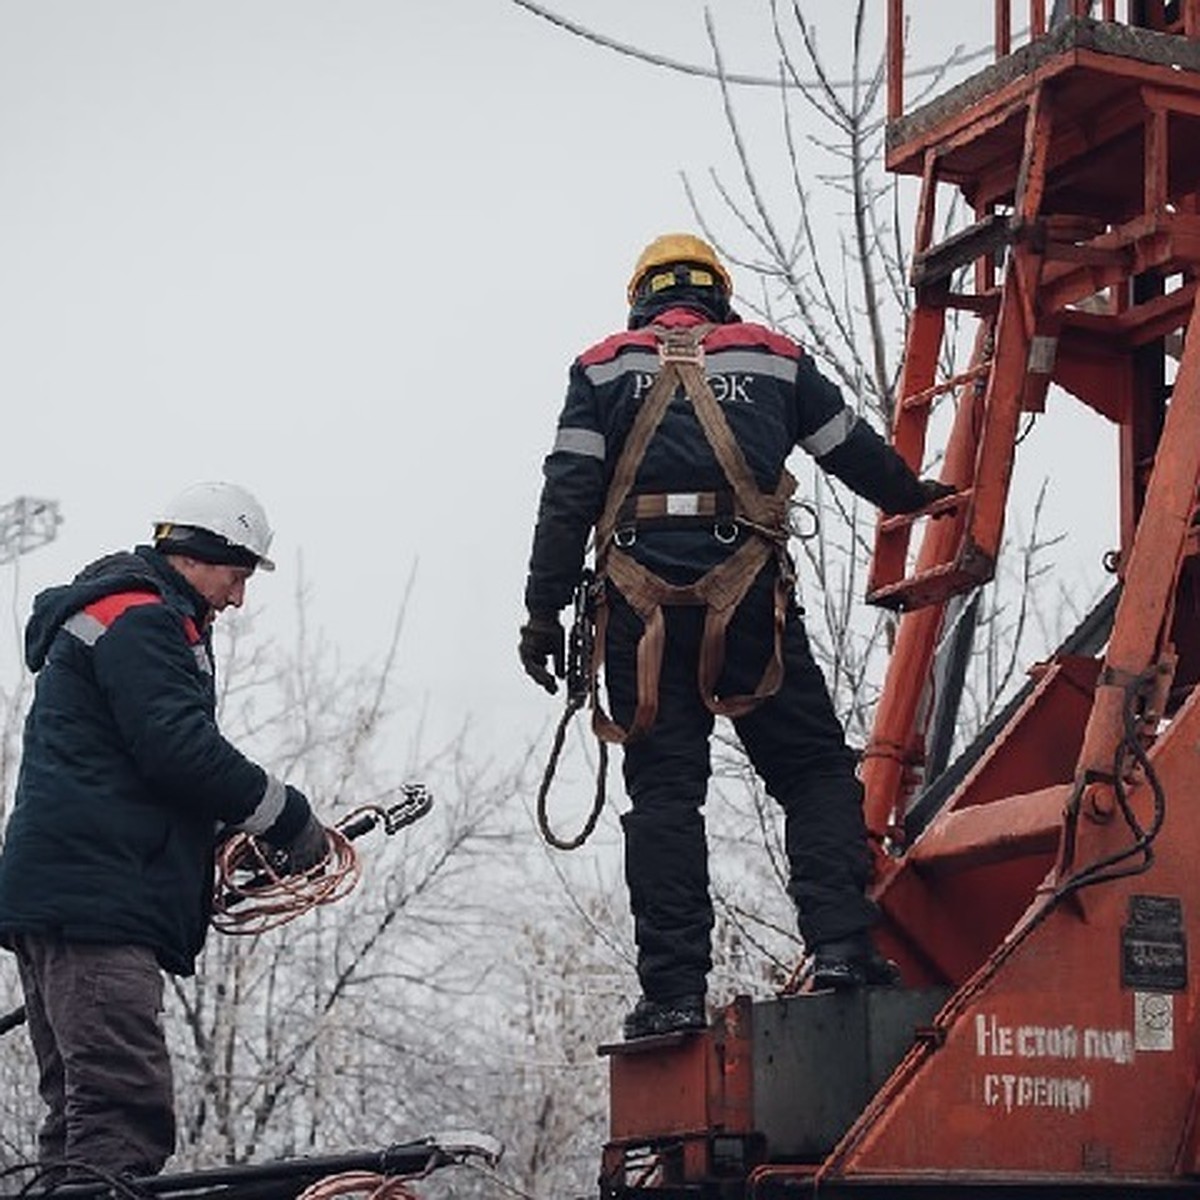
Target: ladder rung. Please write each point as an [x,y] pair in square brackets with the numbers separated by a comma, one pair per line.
[931,586]
[1090,256]
[983,304]
[914,587]
[946,504]
[920,399]
[941,261]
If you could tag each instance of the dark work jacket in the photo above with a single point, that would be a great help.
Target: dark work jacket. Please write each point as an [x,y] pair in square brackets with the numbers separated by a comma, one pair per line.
[774,399]
[124,775]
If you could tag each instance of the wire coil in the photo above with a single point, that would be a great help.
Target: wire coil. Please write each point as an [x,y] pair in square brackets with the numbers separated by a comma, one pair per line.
[253,894]
[359,1183]
[254,891]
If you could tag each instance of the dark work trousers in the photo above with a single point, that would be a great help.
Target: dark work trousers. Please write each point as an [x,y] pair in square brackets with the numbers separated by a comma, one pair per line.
[796,745]
[95,1019]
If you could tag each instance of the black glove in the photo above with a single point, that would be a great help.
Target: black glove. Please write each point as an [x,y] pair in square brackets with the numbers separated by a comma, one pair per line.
[297,838]
[542,639]
[308,849]
[933,490]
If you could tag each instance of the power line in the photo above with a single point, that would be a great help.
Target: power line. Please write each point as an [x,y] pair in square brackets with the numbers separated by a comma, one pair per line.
[958,57]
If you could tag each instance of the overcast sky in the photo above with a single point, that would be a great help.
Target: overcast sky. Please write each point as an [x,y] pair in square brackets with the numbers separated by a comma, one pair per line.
[342,253]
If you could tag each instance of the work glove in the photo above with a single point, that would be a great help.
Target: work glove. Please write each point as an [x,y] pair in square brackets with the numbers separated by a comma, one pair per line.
[933,490]
[297,837]
[542,641]
[307,850]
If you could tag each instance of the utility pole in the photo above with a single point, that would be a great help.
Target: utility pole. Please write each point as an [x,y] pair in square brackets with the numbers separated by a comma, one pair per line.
[26,524]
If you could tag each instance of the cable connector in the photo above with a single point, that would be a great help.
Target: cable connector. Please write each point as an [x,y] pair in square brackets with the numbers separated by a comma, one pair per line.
[417,801]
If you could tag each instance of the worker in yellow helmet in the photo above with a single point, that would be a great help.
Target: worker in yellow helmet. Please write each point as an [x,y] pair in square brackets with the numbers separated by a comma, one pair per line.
[671,447]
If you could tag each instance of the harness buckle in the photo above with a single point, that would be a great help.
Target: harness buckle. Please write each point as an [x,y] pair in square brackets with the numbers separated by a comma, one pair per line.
[624,536]
[680,346]
[726,532]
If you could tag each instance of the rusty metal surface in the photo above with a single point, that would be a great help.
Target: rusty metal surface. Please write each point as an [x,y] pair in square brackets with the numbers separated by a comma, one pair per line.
[661,1087]
[1123,41]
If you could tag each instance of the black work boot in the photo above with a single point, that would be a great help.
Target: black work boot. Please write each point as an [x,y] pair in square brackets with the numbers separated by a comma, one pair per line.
[652,1017]
[851,962]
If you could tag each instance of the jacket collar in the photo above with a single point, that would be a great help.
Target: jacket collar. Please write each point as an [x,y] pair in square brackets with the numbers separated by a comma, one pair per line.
[200,608]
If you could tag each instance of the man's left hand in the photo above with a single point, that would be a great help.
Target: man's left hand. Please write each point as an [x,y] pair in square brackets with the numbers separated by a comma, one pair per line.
[308,849]
[934,490]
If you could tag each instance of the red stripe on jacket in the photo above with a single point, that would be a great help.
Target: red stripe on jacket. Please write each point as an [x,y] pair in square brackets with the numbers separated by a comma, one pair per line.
[737,335]
[108,608]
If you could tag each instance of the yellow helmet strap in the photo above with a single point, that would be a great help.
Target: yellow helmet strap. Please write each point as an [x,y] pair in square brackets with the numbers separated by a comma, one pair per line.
[679,275]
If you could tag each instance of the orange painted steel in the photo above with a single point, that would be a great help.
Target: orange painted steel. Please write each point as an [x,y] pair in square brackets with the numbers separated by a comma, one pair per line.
[998,837]
[1055,261]
[895,751]
[1037,1068]
[1049,881]
[1023,889]
[687,1088]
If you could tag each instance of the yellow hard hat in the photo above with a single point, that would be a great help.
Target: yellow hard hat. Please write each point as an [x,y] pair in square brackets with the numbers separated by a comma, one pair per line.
[677,248]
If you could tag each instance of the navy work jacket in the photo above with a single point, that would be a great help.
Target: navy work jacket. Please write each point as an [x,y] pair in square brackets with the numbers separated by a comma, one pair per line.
[774,399]
[124,776]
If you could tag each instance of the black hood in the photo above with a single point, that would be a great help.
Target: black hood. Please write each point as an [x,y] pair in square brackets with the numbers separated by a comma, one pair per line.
[711,303]
[142,569]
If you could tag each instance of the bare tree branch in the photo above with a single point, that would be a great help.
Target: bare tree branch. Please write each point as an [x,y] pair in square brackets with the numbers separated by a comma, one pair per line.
[958,57]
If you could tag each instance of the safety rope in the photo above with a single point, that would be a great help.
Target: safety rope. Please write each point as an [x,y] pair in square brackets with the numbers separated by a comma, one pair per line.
[574,704]
[579,681]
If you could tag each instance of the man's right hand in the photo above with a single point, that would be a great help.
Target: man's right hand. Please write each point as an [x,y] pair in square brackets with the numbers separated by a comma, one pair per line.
[543,642]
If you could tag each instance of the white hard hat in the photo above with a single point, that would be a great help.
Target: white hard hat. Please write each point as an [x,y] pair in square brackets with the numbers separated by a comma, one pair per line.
[224,509]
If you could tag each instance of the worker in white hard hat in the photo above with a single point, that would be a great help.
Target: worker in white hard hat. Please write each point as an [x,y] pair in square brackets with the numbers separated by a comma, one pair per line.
[125,784]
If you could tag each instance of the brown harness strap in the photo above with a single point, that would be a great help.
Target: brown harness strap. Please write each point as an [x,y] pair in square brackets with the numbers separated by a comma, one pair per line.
[757,506]
[721,589]
[649,416]
[719,592]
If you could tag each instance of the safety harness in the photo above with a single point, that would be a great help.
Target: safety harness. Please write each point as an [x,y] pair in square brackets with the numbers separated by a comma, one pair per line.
[719,591]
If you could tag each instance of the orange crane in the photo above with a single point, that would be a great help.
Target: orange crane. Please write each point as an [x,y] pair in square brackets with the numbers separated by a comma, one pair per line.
[1041,894]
